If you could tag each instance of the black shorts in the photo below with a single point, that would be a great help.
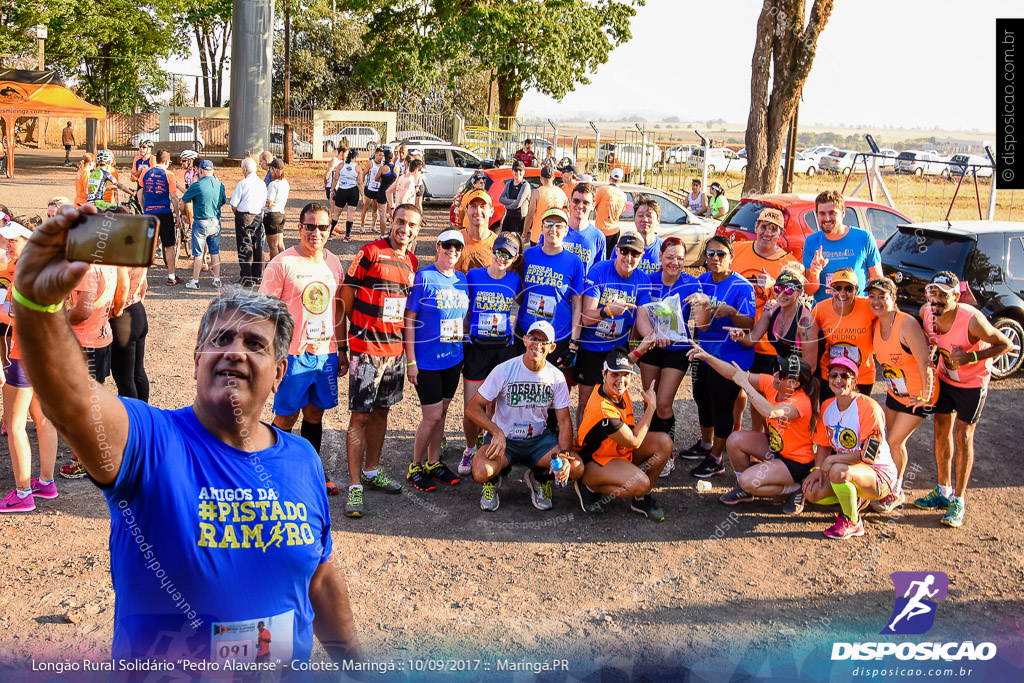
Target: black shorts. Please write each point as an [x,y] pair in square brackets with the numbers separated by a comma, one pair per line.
[273,223]
[826,390]
[588,368]
[797,470]
[327,191]
[168,235]
[667,358]
[966,403]
[382,198]
[479,359]
[764,364]
[98,362]
[892,404]
[434,385]
[370,194]
[348,196]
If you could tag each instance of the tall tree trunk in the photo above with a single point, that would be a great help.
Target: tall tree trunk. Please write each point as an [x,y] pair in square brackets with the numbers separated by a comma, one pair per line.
[509,95]
[783,52]
[203,65]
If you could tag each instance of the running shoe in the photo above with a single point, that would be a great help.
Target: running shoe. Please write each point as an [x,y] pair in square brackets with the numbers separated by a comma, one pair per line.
[47,491]
[933,501]
[172,281]
[347,239]
[192,284]
[590,501]
[354,504]
[381,482]
[695,452]
[794,504]
[12,502]
[332,488]
[709,468]
[669,466]
[216,282]
[844,528]
[540,494]
[480,439]
[73,471]
[954,516]
[419,478]
[489,501]
[466,464]
[440,472]
[647,507]
[737,495]
[888,504]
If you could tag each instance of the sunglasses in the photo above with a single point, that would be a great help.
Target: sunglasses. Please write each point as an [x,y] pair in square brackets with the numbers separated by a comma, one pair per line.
[310,227]
[503,255]
[781,289]
[718,253]
[555,224]
[451,244]
[840,375]
[850,289]
[630,252]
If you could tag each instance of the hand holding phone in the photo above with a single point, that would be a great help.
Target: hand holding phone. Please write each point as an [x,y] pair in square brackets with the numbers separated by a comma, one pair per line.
[113,239]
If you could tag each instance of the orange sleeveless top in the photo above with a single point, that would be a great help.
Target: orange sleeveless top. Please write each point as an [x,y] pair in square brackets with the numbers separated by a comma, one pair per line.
[899,367]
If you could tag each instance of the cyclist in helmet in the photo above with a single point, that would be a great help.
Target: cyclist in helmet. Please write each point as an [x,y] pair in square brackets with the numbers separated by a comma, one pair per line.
[143,160]
[102,182]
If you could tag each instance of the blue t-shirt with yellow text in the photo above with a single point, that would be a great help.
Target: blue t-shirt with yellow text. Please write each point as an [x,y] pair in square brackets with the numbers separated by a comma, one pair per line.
[605,284]
[549,283]
[440,303]
[490,305]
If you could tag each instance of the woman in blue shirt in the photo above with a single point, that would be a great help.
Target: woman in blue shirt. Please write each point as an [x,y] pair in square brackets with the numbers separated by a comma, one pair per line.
[722,319]
[434,316]
[492,292]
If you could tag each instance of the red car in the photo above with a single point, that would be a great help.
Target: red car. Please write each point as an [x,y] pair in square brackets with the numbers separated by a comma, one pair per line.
[496,178]
[798,214]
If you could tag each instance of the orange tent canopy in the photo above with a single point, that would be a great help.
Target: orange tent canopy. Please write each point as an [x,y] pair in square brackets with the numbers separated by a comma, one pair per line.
[38,93]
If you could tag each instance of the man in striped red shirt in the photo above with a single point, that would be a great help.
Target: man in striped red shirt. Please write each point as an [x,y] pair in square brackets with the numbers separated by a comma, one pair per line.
[374,295]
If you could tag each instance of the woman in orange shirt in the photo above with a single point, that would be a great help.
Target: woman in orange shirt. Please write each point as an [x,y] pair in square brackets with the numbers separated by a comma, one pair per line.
[85,167]
[841,325]
[901,348]
[788,400]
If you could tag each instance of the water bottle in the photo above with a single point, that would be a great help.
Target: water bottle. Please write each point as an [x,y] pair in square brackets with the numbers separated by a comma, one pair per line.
[557,465]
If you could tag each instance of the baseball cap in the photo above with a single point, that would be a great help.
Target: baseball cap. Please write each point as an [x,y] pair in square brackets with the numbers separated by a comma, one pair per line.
[789,367]
[509,244]
[771,215]
[617,174]
[846,363]
[15,229]
[568,167]
[478,176]
[617,360]
[787,279]
[206,165]
[414,151]
[631,240]
[276,163]
[477,194]
[544,327]
[884,284]
[547,172]
[846,275]
[555,213]
[518,165]
[946,281]
[451,235]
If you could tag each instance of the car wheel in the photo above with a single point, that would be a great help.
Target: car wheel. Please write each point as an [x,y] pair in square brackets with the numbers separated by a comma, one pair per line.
[566,161]
[811,171]
[371,146]
[919,172]
[711,169]
[1010,362]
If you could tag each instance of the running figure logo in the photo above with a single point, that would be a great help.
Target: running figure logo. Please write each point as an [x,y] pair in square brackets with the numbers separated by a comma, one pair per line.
[916,596]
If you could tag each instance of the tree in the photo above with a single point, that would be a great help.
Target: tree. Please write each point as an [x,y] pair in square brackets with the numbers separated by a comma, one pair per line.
[783,53]
[16,34]
[209,23]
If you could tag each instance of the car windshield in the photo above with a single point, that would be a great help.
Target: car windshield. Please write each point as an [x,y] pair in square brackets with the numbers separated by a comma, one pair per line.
[932,251]
[744,216]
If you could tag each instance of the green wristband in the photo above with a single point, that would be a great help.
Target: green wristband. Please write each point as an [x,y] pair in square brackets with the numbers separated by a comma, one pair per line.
[32,305]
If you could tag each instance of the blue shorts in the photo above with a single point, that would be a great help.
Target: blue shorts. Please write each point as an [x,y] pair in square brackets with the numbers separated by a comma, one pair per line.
[309,380]
[528,451]
[15,374]
[205,232]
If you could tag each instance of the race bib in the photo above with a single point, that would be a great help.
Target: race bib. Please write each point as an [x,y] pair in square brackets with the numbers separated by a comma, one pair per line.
[493,324]
[394,309]
[610,329]
[266,639]
[523,431]
[896,382]
[314,331]
[451,331]
[540,306]
[845,350]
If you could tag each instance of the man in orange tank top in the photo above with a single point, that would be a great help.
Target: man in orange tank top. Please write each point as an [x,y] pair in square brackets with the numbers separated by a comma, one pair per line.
[965,343]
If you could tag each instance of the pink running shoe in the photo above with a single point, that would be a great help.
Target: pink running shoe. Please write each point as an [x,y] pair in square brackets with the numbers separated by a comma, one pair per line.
[13,503]
[844,528]
[47,491]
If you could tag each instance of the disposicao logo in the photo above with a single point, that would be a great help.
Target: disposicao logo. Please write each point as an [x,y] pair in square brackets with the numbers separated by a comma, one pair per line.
[916,596]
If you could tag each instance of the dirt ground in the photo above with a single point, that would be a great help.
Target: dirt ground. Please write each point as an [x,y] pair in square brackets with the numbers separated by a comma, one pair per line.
[716,590]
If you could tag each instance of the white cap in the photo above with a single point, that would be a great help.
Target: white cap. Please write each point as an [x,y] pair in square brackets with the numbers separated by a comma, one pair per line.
[617,174]
[544,327]
[415,150]
[13,230]
[451,235]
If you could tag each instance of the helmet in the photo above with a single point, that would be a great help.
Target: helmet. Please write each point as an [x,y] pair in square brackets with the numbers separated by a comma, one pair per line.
[146,142]
[189,154]
[104,156]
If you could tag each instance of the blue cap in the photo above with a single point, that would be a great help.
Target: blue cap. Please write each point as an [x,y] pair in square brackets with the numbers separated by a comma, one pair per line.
[206,165]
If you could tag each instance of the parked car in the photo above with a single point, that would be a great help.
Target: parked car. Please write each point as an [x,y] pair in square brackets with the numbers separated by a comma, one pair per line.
[678,154]
[630,156]
[300,148]
[842,161]
[887,158]
[917,162]
[447,167]
[802,164]
[986,255]
[360,137]
[966,164]
[564,155]
[800,220]
[177,132]
[719,159]
[817,152]
[676,219]
[403,135]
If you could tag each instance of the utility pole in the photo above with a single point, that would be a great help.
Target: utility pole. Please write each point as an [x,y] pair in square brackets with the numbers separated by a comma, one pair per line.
[287,81]
[41,37]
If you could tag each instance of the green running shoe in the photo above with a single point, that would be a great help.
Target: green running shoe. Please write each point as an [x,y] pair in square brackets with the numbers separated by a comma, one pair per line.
[933,501]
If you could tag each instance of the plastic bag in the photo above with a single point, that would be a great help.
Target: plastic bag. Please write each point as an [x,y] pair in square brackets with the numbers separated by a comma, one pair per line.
[667,318]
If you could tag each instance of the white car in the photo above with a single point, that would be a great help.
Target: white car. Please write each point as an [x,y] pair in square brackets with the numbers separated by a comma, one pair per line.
[888,158]
[630,156]
[802,164]
[967,164]
[678,154]
[300,148]
[842,161]
[563,155]
[817,152]
[919,162]
[359,137]
[177,132]
[719,159]
[447,168]
[676,221]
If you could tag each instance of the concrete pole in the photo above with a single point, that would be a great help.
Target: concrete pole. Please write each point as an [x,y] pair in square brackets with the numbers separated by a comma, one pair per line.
[252,45]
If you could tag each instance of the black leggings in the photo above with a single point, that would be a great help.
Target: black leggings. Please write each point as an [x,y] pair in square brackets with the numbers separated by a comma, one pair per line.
[715,397]
[129,352]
